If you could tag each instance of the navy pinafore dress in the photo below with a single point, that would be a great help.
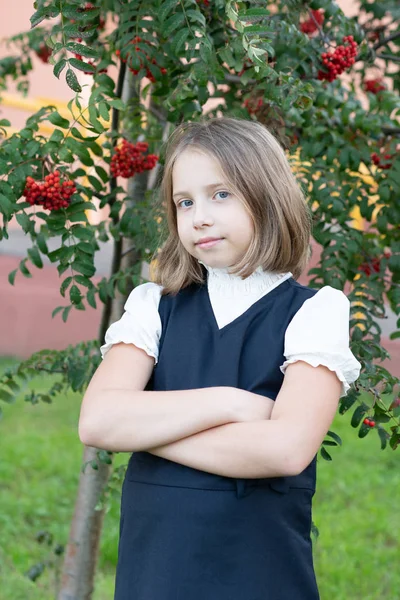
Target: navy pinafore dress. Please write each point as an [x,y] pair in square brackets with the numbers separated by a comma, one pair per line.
[187,534]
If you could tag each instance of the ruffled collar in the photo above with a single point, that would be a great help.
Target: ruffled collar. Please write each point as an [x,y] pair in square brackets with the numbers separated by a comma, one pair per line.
[228,284]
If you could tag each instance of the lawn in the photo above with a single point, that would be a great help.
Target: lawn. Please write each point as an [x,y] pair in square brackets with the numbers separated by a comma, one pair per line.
[355,507]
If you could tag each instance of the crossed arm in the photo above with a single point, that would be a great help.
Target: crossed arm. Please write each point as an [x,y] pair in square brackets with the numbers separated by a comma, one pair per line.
[282,445]
[190,428]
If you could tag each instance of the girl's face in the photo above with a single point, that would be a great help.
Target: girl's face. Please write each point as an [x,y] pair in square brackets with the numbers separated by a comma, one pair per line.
[206,207]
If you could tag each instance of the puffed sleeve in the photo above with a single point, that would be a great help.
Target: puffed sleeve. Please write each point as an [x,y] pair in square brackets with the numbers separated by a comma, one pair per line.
[319,335]
[140,324]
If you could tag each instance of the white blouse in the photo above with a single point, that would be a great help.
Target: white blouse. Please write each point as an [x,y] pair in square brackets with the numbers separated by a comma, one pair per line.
[318,333]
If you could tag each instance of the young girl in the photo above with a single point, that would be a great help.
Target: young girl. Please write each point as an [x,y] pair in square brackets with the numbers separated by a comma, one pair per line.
[222,377]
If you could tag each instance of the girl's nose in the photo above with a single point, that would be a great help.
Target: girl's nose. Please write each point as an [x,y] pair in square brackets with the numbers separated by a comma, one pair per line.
[201,217]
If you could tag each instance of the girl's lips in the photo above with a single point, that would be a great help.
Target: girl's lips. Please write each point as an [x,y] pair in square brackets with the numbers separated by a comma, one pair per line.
[209,244]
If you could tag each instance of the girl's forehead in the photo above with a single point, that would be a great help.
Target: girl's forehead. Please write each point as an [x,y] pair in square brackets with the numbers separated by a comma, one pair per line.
[193,163]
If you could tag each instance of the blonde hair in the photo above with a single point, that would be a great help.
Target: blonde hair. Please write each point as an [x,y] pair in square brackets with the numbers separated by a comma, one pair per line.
[255,164]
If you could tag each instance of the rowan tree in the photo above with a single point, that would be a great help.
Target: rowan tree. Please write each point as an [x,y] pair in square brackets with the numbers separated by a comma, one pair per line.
[326,85]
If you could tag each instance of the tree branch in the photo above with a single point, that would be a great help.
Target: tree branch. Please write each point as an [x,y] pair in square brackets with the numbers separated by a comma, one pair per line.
[383,42]
[389,57]
[391,130]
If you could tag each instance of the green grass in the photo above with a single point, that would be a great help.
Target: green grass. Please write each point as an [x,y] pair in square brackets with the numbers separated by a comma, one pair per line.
[355,507]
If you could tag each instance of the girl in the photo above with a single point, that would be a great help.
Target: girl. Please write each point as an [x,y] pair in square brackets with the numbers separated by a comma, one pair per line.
[222,377]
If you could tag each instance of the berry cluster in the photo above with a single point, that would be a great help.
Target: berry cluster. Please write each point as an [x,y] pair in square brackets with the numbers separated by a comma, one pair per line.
[374,265]
[374,85]
[369,422]
[51,194]
[336,62]
[130,159]
[253,105]
[368,268]
[205,2]
[44,53]
[312,23]
[377,160]
[149,74]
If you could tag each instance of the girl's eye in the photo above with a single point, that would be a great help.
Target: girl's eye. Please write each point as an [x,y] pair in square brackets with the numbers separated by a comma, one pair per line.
[181,202]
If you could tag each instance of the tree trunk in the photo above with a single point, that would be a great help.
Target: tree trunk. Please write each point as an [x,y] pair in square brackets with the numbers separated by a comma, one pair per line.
[77,578]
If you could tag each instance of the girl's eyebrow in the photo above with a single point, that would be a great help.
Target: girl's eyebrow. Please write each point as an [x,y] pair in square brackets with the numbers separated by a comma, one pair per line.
[208,188]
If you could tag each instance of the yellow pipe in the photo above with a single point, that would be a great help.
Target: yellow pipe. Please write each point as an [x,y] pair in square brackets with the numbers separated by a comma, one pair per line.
[30,105]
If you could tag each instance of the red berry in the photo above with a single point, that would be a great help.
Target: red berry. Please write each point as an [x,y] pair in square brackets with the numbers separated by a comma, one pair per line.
[44,53]
[129,159]
[47,195]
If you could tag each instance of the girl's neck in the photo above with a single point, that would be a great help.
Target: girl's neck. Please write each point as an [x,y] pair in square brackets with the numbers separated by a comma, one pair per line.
[221,280]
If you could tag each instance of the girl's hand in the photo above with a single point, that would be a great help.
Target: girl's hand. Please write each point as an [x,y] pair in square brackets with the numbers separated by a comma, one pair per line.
[250,406]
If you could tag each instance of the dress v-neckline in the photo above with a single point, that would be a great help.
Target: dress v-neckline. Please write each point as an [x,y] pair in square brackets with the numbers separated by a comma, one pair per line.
[254,307]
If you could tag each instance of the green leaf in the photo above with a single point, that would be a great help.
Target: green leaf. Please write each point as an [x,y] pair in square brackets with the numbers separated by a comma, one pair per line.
[102,173]
[179,40]
[6,206]
[384,436]
[106,81]
[90,297]
[11,276]
[166,8]
[358,415]
[73,13]
[58,67]
[116,103]
[104,111]
[82,65]
[325,454]
[43,13]
[72,81]
[56,136]
[96,148]
[35,257]
[335,437]
[78,217]
[173,23]
[58,120]
[394,263]
[82,232]
[65,313]
[13,385]
[56,310]
[83,268]
[7,397]
[93,118]
[80,149]
[25,222]
[75,295]
[206,52]
[253,12]
[82,280]
[196,16]
[364,430]
[95,183]
[65,284]
[59,254]
[85,247]
[24,270]
[81,49]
